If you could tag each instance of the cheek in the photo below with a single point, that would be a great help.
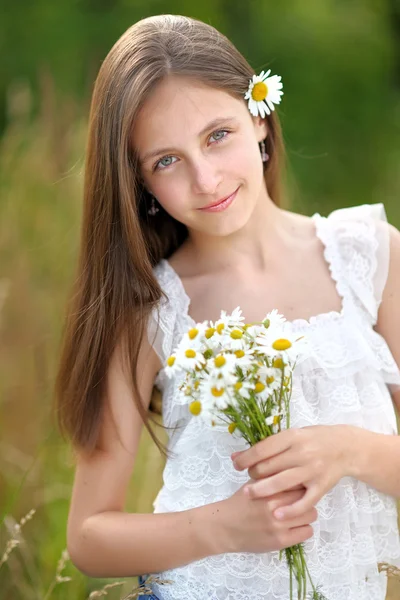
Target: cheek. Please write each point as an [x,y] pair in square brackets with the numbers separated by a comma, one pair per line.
[171,192]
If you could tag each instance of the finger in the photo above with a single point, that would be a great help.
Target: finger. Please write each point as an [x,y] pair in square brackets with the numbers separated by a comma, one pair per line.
[305,519]
[297,535]
[266,448]
[277,483]
[291,511]
[283,499]
[272,466]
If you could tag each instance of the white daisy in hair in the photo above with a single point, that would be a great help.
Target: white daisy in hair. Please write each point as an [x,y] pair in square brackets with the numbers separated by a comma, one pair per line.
[263,93]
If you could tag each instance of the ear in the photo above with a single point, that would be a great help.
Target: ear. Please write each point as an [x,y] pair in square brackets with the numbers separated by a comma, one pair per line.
[260,127]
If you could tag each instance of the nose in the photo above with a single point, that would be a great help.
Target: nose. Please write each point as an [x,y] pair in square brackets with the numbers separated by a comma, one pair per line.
[206,176]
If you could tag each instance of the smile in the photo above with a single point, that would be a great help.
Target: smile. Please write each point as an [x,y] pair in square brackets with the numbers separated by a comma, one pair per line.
[222,205]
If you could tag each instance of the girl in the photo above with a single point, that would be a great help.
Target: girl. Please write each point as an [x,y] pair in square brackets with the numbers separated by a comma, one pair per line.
[183,218]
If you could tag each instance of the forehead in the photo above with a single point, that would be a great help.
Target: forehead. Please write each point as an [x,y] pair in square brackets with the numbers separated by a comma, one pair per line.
[178,109]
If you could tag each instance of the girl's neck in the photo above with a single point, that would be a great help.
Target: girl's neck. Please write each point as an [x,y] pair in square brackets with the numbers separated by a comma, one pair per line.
[269,230]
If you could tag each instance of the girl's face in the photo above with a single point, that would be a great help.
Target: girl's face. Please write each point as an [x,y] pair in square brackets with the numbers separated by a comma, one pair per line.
[197,145]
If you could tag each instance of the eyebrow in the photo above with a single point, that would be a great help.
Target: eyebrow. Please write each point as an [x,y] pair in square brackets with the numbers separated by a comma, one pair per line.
[214,123]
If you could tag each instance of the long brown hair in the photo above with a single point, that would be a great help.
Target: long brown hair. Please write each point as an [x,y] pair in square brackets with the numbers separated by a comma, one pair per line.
[115,288]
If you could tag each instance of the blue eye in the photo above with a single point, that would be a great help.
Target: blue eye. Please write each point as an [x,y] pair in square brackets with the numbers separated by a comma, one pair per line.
[220,131]
[157,166]
[164,158]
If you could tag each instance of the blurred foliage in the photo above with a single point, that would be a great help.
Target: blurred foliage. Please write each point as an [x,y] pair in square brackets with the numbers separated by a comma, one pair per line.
[339,61]
[340,113]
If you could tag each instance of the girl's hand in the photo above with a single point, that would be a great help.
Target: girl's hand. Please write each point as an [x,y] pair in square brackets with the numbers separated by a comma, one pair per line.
[315,457]
[248,525]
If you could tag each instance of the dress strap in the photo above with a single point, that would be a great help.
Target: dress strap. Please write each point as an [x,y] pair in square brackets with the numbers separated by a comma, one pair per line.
[359,253]
[165,320]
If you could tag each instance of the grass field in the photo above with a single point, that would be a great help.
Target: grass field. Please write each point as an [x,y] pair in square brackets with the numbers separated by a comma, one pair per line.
[39,223]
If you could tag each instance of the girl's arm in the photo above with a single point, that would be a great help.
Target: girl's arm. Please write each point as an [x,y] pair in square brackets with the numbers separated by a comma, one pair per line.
[102,539]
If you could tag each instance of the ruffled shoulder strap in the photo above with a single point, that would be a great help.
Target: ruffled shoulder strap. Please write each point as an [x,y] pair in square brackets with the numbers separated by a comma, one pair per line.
[362,242]
[165,319]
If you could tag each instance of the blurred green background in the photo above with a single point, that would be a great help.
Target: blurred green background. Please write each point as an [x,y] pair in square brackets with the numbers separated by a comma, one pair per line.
[340,67]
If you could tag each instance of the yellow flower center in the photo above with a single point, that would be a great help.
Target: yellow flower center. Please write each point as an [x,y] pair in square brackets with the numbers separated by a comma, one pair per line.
[281,344]
[188,390]
[259,387]
[236,334]
[270,379]
[239,353]
[238,385]
[219,361]
[190,353]
[220,327]
[217,392]
[192,333]
[278,363]
[195,407]
[232,427]
[210,332]
[196,384]
[259,91]
[277,419]
[170,361]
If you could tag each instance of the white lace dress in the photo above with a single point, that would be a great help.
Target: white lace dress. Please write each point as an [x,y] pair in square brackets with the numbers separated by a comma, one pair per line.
[346,380]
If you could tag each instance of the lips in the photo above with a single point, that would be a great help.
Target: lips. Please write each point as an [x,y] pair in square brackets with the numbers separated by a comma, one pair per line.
[214,204]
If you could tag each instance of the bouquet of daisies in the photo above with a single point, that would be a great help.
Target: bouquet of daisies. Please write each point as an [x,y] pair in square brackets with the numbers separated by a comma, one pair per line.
[241,375]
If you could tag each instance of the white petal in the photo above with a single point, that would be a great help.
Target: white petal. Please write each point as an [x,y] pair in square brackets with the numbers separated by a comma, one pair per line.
[253,107]
[266,75]
[261,108]
[266,108]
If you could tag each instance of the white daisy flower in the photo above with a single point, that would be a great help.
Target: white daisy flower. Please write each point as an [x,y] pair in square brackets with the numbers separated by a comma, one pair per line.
[262,391]
[263,93]
[244,357]
[234,339]
[226,322]
[194,338]
[252,331]
[189,358]
[244,388]
[271,377]
[214,394]
[275,319]
[275,416]
[280,342]
[222,366]
[172,366]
